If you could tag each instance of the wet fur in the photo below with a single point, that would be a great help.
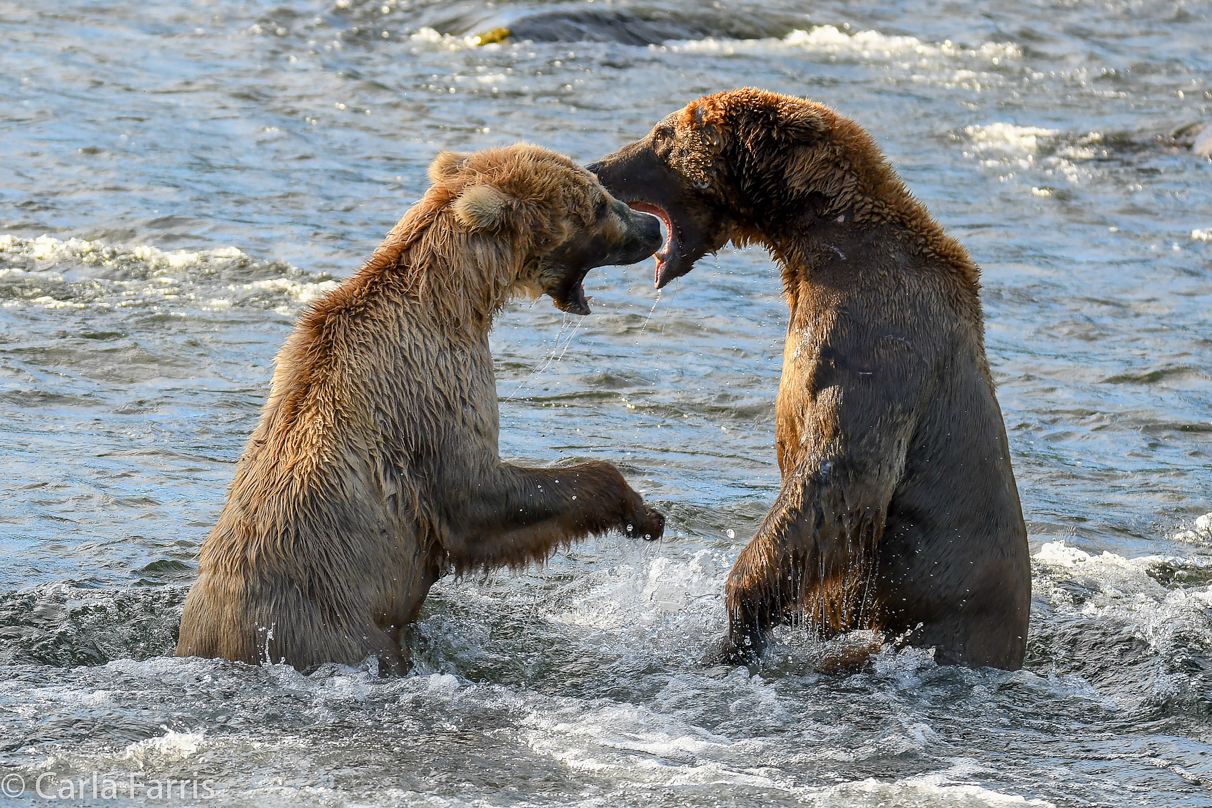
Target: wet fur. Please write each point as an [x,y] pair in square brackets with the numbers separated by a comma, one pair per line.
[899,510]
[374,469]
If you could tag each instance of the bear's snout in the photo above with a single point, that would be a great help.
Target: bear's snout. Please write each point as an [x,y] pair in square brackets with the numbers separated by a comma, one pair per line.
[644,236]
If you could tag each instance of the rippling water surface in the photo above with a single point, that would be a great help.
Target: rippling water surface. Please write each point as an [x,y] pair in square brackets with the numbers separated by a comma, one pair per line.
[179,180]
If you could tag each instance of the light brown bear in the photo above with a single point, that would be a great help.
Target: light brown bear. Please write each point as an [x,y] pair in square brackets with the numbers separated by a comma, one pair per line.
[375,467]
[899,510]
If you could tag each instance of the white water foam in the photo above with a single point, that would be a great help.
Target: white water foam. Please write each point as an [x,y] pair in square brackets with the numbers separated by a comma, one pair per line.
[1009,146]
[1007,138]
[171,747]
[1163,603]
[612,737]
[663,749]
[433,38]
[51,273]
[1199,533]
[302,291]
[657,606]
[1203,143]
[865,45]
[1113,575]
[49,249]
[934,790]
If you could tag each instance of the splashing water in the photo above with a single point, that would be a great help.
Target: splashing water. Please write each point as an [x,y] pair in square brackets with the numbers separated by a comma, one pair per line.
[167,214]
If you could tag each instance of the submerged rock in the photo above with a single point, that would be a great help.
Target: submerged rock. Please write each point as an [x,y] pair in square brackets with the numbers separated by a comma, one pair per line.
[617,25]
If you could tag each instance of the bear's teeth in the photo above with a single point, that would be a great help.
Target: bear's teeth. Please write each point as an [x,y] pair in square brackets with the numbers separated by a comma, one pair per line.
[666,226]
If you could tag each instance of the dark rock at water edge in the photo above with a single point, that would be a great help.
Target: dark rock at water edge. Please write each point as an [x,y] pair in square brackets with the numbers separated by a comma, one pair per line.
[650,24]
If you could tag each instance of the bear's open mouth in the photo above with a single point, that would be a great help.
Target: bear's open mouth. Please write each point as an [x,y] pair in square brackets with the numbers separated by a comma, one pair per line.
[669,251]
[570,297]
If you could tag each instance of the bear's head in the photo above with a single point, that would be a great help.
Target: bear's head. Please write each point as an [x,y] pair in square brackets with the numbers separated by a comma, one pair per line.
[546,219]
[731,166]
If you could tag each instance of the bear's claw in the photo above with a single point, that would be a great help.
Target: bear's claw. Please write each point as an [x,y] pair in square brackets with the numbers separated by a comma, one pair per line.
[650,526]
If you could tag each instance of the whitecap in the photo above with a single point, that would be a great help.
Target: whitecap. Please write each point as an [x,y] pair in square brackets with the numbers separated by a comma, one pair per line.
[1199,533]
[658,603]
[172,746]
[933,790]
[303,291]
[1005,145]
[830,40]
[52,273]
[626,738]
[432,37]
[1006,137]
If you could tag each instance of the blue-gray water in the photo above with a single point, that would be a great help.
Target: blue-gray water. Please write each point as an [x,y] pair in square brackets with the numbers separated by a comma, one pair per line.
[178,180]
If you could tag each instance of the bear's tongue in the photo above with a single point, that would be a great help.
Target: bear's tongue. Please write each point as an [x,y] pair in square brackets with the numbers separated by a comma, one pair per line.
[669,249]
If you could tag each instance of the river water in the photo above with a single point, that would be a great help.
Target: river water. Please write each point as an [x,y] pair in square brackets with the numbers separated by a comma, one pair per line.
[178,180]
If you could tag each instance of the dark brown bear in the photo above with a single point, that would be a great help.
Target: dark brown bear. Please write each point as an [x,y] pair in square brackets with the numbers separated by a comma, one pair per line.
[898,510]
[374,469]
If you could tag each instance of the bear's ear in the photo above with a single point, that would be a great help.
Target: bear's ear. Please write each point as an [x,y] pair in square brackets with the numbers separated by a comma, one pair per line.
[482,207]
[446,165]
[801,126]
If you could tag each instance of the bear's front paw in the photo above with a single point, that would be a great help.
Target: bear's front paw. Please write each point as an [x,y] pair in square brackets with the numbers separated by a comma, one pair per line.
[743,650]
[646,524]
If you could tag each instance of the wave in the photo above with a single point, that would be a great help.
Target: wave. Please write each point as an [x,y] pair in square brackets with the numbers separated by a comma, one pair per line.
[1072,156]
[1136,629]
[866,45]
[1199,533]
[63,625]
[596,668]
[51,273]
[700,34]
[1152,614]
[1008,138]
[471,21]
